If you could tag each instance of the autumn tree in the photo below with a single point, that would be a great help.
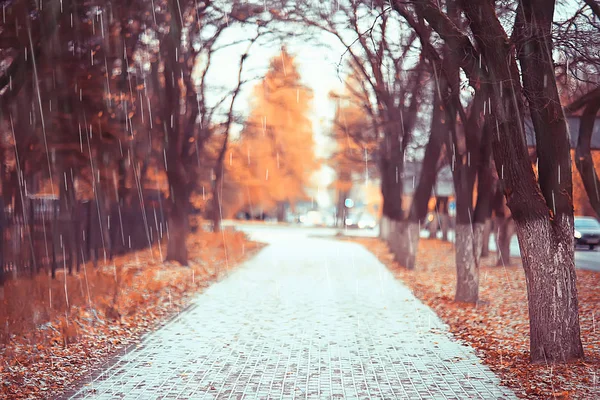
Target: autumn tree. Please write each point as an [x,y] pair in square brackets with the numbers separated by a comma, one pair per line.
[355,142]
[541,205]
[183,38]
[276,147]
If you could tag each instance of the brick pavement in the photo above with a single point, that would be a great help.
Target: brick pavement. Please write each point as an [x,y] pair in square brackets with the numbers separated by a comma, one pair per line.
[306,318]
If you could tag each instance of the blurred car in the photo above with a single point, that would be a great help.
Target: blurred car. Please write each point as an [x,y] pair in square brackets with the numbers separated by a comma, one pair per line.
[313,218]
[361,221]
[367,221]
[587,232]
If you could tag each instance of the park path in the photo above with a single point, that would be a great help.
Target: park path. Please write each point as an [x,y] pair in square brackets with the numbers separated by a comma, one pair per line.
[305,318]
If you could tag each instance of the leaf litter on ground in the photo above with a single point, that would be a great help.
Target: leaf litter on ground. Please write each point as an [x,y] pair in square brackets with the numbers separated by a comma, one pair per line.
[51,343]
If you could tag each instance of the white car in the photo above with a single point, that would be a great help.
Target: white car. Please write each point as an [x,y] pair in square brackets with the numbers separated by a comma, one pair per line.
[587,232]
[367,221]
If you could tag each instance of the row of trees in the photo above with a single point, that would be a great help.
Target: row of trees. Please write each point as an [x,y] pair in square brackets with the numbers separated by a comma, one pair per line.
[103,99]
[114,95]
[274,158]
[478,70]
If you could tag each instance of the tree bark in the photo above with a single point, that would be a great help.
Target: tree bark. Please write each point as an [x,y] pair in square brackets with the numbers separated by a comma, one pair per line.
[442,217]
[467,263]
[178,224]
[385,228]
[66,218]
[554,314]
[464,164]
[485,192]
[552,292]
[427,178]
[485,239]
[217,202]
[219,168]
[404,241]
[176,72]
[391,181]
[341,210]
[433,226]
[504,233]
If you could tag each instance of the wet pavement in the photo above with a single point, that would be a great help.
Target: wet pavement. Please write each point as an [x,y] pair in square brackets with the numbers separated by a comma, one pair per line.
[306,318]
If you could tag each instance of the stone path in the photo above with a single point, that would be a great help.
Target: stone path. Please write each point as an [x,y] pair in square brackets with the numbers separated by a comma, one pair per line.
[306,318]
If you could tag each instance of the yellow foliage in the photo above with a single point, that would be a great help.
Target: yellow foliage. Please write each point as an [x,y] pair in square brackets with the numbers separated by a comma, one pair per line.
[353,134]
[274,159]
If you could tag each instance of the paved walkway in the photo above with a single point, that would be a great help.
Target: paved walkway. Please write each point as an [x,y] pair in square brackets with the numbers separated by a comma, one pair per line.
[306,318]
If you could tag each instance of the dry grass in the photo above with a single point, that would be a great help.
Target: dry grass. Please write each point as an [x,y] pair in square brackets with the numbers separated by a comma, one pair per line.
[56,331]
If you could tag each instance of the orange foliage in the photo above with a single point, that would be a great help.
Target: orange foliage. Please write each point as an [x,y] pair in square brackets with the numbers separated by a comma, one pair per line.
[71,324]
[354,137]
[349,122]
[274,159]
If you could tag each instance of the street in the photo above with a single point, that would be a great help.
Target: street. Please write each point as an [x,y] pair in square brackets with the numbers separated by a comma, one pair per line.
[584,258]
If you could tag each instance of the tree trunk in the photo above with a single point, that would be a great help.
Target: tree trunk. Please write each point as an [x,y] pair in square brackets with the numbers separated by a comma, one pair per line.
[384,228]
[551,291]
[442,217]
[444,225]
[66,218]
[97,234]
[467,263]
[466,256]
[485,239]
[485,194]
[391,180]
[176,137]
[551,278]
[404,242]
[280,211]
[216,207]
[505,231]
[420,201]
[583,156]
[3,223]
[433,226]
[178,219]
[341,210]
[478,237]
[219,168]
[498,205]
[178,229]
